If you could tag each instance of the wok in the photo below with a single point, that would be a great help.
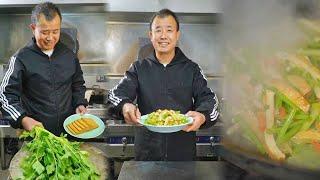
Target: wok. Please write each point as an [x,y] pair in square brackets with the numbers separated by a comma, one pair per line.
[253,162]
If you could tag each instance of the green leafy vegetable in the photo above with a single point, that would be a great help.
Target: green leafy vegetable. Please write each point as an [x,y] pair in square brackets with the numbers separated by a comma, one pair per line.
[52,157]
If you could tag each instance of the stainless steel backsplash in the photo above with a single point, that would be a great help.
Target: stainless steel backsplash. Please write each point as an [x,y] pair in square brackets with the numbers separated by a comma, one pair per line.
[200,42]
[116,43]
[109,46]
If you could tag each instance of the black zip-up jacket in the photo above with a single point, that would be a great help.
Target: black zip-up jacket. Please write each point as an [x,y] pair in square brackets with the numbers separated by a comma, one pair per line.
[181,86]
[45,88]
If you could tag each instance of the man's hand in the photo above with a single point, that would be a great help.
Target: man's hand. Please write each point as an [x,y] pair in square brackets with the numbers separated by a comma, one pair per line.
[81,110]
[28,123]
[198,120]
[131,113]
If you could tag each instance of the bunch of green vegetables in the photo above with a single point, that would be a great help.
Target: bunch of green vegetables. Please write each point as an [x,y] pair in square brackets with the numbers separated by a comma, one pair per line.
[52,157]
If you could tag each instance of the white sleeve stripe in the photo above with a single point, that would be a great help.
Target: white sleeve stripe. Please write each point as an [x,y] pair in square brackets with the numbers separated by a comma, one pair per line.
[9,108]
[201,71]
[5,83]
[3,99]
[113,101]
[112,97]
[215,105]
[5,105]
[214,117]
[214,114]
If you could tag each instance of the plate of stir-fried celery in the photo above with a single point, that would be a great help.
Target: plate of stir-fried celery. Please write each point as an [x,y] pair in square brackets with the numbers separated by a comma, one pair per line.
[165,121]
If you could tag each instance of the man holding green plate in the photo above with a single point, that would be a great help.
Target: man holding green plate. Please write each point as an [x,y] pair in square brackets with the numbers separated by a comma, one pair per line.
[166,79]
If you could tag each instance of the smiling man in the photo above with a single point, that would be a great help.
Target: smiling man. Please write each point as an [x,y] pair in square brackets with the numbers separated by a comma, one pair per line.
[166,79]
[44,82]
[46,33]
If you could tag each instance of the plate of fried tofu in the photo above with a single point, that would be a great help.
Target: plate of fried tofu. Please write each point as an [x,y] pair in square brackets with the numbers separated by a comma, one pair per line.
[84,126]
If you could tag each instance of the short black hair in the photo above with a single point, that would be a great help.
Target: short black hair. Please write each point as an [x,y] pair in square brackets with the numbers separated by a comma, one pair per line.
[164,13]
[48,9]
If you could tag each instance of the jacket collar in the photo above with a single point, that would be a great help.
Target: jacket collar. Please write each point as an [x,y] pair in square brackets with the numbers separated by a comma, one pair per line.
[59,47]
[178,57]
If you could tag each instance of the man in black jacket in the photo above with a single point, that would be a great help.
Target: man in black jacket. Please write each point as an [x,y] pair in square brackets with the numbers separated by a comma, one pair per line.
[166,79]
[44,82]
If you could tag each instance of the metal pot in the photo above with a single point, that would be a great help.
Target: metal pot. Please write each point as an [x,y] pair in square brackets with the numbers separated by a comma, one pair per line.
[97,90]
[97,95]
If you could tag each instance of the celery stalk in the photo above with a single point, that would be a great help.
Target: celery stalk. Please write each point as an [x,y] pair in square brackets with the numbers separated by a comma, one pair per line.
[286,125]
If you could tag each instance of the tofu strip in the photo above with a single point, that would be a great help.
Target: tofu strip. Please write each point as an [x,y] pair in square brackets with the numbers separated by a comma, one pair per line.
[273,151]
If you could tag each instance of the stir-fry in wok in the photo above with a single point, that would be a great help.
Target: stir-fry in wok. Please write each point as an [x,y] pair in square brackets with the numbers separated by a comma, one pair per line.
[276,104]
[166,118]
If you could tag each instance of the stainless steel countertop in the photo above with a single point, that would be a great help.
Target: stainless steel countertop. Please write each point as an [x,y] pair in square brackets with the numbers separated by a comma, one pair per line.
[170,170]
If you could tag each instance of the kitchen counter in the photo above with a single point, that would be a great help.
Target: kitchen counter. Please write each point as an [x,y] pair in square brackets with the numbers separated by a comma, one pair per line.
[172,170]
[118,140]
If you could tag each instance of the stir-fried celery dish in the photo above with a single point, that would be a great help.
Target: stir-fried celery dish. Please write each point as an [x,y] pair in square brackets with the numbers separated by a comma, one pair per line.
[166,118]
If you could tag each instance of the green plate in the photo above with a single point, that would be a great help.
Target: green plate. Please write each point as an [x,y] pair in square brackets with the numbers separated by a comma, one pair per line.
[87,135]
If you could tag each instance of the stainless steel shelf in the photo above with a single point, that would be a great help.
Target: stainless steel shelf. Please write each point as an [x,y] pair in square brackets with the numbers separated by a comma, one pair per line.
[84,8]
[144,17]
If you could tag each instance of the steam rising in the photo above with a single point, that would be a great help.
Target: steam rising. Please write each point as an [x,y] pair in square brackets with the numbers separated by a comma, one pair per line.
[262,25]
